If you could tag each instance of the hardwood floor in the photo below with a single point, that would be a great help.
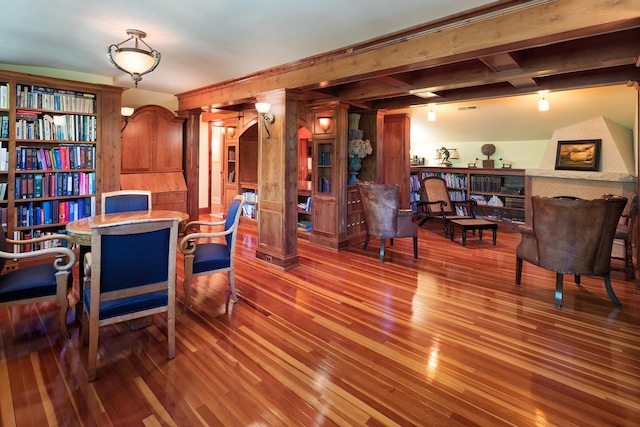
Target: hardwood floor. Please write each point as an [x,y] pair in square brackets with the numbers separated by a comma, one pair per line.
[447,340]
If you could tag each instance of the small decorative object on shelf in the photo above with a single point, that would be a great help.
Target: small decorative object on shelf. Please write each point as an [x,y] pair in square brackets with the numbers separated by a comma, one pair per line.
[488,150]
[417,161]
[473,164]
[359,148]
[505,164]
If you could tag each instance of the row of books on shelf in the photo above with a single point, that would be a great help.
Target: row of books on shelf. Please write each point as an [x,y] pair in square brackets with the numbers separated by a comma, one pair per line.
[54,211]
[250,196]
[55,184]
[34,234]
[231,155]
[305,206]
[304,225]
[325,185]
[4,95]
[452,180]
[4,159]
[486,183]
[29,96]
[34,125]
[249,211]
[62,157]
[324,158]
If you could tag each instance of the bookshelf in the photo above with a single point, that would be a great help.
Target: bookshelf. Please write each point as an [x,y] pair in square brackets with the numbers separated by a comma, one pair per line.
[304,209]
[250,208]
[58,148]
[479,184]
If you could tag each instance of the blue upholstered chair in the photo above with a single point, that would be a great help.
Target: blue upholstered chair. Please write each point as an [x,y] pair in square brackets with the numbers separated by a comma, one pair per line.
[126,201]
[132,275]
[203,257]
[49,280]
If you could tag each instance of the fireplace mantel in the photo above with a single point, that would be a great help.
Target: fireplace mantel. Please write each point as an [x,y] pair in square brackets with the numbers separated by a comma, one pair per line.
[586,175]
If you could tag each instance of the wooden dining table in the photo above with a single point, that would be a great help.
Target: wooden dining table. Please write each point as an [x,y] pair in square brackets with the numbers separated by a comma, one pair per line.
[80,231]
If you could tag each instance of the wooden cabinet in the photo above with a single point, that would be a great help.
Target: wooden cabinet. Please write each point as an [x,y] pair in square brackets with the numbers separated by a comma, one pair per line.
[152,157]
[329,178]
[481,185]
[57,142]
[152,141]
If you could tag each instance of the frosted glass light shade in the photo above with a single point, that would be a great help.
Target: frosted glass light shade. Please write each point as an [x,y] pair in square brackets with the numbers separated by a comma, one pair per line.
[263,107]
[135,61]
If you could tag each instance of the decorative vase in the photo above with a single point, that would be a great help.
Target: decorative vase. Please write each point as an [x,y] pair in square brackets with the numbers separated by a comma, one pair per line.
[355,163]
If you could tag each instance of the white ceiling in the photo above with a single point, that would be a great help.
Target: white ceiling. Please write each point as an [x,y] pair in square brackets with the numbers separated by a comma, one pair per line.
[201,41]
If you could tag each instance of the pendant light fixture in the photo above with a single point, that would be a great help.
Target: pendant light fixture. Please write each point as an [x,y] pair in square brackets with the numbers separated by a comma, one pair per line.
[135,61]
[543,104]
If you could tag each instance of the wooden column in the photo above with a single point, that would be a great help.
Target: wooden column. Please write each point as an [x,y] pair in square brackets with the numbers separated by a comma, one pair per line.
[191,165]
[278,181]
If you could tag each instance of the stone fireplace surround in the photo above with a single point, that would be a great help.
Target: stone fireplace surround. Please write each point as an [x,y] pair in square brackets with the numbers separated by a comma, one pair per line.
[617,173]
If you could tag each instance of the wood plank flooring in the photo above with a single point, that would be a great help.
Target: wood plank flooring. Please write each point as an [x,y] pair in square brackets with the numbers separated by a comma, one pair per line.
[447,340]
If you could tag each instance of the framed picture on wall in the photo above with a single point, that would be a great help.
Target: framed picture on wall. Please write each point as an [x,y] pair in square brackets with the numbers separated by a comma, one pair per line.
[580,155]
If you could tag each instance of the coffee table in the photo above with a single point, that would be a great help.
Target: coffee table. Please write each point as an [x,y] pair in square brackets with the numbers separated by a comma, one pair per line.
[472,224]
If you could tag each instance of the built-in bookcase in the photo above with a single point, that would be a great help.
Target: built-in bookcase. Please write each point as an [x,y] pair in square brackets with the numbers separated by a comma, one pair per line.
[480,185]
[51,135]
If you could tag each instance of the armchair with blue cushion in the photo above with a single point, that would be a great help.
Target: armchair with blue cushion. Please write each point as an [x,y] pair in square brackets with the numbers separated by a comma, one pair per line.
[48,280]
[203,256]
[132,275]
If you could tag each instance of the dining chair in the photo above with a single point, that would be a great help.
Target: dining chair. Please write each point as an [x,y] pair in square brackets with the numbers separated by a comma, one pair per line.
[203,256]
[435,202]
[132,275]
[46,280]
[571,236]
[125,201]
[383,218]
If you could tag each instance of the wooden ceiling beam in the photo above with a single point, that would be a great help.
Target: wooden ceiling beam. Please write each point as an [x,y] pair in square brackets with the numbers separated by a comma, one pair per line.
[527,25]
[534,64]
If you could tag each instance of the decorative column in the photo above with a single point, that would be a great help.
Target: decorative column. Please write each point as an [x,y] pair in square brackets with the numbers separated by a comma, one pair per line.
[278,181]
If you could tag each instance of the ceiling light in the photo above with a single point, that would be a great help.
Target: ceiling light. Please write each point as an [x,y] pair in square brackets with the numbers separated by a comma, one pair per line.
[133,60]
[432,115]
[543,104]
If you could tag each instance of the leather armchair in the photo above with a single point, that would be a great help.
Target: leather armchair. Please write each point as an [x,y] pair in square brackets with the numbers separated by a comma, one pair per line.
[571,237]
[384,219]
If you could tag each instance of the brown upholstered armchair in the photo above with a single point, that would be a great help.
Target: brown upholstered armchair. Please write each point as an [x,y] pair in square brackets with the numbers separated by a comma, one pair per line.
[384,219]
[571,237]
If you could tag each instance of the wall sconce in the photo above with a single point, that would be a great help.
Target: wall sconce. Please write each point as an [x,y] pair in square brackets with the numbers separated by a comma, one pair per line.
[263,108]
[231,131]
[324,123]
[432,114]
[125,113]
[132,60]
[543,104]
